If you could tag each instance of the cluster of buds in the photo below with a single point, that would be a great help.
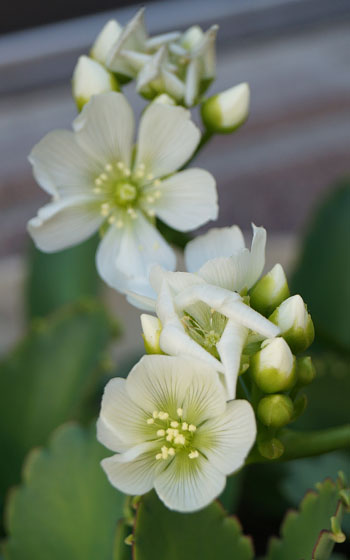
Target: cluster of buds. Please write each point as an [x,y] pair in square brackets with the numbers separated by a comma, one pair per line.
[276,372]
[176,68]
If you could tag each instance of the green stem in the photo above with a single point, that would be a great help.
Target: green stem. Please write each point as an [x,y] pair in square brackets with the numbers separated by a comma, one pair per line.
[206,136]
[298,445]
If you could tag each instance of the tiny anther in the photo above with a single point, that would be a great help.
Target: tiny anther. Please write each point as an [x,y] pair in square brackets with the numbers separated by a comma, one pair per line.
[159,456]
[193,454]
[184,426]
[119,224]
[111,219]
[96,190]
[98,182]
[160,433]
[163,415]
[108,167]
[150,420]
[151,212]
[169,437]
[155,414]
[171,451]
[180,439]
[174,424]
[192,428]
[180,411]
[120,165]
[104,176]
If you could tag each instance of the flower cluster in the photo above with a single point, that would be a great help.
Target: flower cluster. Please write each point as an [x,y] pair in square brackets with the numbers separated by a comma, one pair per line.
[221,330]
[181,65]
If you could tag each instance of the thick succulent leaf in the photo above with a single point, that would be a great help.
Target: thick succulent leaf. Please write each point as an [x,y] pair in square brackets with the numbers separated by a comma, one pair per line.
[323,274]
[65,507]
[48,379]
[160,533]
[60,278]
[312,532]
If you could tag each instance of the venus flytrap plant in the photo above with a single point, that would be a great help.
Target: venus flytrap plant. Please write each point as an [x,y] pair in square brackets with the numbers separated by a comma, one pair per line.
[173,430]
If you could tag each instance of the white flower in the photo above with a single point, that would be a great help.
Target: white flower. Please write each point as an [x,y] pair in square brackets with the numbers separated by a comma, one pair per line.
[105,41]
[173,431]
[91,78]
[273,367]
[203,314]
[94,180]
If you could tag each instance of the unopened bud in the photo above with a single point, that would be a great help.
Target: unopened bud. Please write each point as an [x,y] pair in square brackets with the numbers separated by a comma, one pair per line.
[105,40]
[91,78]
[295,323]
[306,372]
[164,99]
[152,328]
[275,410]
[273,367]
[228,110]
[271,448]
[270,291]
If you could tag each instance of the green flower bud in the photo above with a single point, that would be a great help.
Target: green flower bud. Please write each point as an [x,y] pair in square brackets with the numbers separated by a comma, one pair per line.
[152,327]
[105,40]
[91,78]
[271,448]
[275,410]
[295,323]
[306,372]
[226,111]
[270,291]
[273,367]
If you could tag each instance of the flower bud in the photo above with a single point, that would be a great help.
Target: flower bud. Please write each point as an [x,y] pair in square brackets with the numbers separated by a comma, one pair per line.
[295,323]
[91,78]
[152,328]
[270,291]
[164,99]
[306,372]
[228,110]
[105,40]
[273,367]
[275,410]
[271,448]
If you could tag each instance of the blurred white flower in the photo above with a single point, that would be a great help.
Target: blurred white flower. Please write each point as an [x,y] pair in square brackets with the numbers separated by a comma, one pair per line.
[173,431]
[94,180]
[204,313]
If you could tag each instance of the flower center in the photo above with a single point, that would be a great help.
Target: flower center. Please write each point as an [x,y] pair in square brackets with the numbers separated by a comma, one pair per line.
[205,326]
[173,434]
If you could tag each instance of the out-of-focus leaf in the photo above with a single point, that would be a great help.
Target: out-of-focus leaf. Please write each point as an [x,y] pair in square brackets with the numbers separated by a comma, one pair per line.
[60,278]
[323,274]
[231,495]
[174,237]
[65,507]
[48,379]
[208,534]
[311,532]
[121,550]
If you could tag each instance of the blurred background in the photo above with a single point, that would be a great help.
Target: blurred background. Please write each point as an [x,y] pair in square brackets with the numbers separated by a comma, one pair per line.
[285,169]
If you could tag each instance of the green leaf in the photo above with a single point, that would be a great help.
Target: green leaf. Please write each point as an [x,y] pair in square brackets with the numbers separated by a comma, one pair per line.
[60,278]
[312,532]
[160,533]
[323,274]
[65,507]
[121,550]
[48,379]
[174,237]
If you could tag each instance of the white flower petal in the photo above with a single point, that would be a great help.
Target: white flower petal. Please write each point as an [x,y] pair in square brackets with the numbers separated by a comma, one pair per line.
[105,40]
[217,242]
[167,139]
[189,485]
[165,383]
[60,165]
[134,477]
[229,437]
[192,82]
[128,252]
[162,39]
[133,37]
[227,272]
[188,199]
[121,415]
[107,435]
[65,223]
[141,294]
[257,255]
[105,128]
[177,281]
[230,348]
